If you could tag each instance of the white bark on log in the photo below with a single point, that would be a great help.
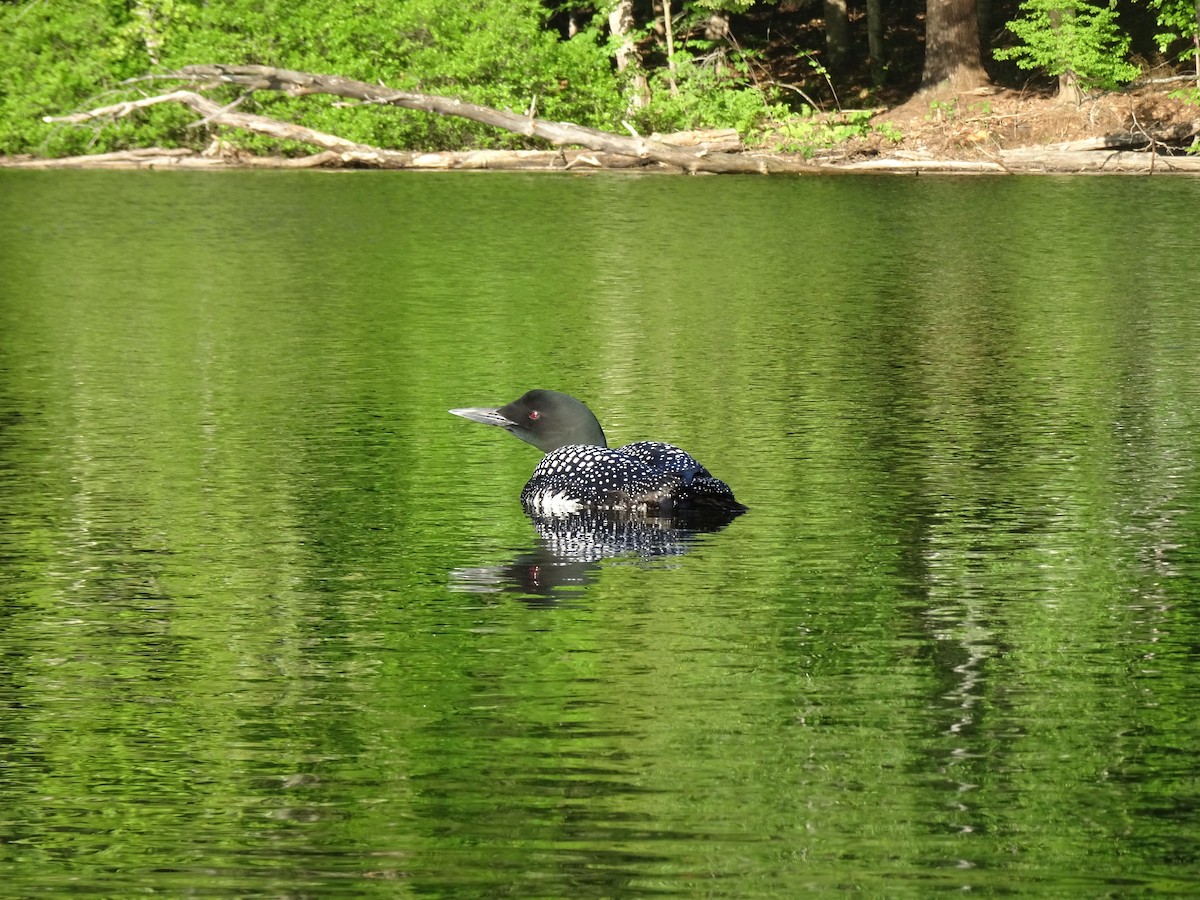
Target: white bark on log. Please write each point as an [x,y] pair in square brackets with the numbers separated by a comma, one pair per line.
[1175,134]
[1029,161]
[726,140]
[605,150]
[557,133]
[496,160]
[215,113]
[1038,159]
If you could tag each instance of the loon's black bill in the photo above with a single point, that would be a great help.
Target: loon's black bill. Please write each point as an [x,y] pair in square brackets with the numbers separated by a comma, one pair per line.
[484,415]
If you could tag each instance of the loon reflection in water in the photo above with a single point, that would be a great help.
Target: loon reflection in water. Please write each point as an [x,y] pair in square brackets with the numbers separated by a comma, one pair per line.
[580,472]
[569,550]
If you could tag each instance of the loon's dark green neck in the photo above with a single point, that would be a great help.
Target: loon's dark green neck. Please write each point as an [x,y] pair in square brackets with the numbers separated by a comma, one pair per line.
[546,419]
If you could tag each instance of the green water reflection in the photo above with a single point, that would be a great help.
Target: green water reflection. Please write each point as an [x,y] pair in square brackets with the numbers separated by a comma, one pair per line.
[269,624]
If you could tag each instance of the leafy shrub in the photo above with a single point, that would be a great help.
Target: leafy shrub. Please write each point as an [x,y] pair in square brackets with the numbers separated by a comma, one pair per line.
[1180,20]
[60,57]
[806,132]
[52,59]
[711,90]
[1072,37]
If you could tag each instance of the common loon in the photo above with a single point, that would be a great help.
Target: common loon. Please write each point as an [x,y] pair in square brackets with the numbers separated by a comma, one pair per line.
[580,472]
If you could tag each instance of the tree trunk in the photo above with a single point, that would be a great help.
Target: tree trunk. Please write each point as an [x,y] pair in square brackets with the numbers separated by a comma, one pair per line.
[875,49]
[953,62]
[669,27]
[1069,89]
[1196,44]
[620,23]
[837,35]
[716,27]
[984,12]
[147,25]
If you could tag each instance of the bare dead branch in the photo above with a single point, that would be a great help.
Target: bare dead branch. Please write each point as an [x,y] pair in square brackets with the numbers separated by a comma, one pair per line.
[560,134]
[691,152]
[215,114]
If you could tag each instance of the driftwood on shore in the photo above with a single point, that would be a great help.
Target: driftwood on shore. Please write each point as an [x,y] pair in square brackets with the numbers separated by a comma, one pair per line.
[1033,161]
[217,157]
[696,152]
[635,149]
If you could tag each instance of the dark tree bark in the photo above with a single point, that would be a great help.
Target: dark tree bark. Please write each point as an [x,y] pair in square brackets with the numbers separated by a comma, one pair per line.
[875,50]
[837,35]
[953,62]
[984,13]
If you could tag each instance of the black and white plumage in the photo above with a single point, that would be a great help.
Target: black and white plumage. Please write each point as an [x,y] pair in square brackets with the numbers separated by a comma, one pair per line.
[580,472]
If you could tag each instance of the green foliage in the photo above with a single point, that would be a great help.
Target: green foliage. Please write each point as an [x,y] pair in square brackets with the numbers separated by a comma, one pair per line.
[1180,20]
[732,6]
[710,88]
[948,110]
[942,109]
[57,58]
[806,131]
[1190,95]
[62,56]
[1072,36]
[497,53]
[52,59]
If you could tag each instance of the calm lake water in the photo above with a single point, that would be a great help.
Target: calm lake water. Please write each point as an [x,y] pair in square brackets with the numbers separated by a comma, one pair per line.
[273,623]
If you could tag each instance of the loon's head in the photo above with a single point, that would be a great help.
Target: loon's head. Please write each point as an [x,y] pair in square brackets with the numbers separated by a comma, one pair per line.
[546,419]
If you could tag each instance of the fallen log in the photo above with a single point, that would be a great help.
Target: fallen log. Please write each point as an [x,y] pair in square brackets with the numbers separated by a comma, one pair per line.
[703,157]
[494,160]
[214,113]
[696,152]
[907,164]
[1173,135]
[1039,159]
[337,150]
[560,134]
[725,140]
[1026,161]
[151,157]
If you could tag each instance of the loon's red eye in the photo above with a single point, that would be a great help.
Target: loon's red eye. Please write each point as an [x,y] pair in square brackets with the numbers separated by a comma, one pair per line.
[535,414]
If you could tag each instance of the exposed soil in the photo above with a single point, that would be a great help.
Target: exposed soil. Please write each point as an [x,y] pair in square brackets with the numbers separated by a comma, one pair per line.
[970,125]
[993,129]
